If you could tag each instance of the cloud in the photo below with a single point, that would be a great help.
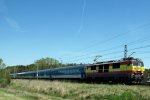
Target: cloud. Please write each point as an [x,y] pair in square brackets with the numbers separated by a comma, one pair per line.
[12,23]
[82,18]
[3,15]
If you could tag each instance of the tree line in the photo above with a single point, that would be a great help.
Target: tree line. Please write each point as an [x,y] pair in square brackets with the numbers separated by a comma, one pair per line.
[41,64]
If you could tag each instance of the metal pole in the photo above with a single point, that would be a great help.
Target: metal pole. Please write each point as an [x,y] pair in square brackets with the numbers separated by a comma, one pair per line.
[125,51]
[14,72]
[37,71]
[60,62]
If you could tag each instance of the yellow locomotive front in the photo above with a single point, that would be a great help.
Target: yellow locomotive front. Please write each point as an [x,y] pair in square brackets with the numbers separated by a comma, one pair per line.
[138,70]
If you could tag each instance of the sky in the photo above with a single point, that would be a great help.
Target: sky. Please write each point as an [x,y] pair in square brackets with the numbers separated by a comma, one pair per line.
[73,31]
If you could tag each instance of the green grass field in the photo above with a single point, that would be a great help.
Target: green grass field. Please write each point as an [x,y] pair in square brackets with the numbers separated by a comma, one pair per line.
[61,90]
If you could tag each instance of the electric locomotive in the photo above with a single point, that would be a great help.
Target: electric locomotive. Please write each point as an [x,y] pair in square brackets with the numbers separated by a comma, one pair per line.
[124,70]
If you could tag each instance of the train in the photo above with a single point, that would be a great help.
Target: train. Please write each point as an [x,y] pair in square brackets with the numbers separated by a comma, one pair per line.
[126,70]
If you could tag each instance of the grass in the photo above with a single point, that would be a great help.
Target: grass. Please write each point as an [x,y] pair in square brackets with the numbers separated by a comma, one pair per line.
[59,90]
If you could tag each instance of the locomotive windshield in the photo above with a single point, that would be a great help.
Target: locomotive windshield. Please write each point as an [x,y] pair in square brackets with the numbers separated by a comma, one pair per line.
[135,63]
[138,63]
[142,64]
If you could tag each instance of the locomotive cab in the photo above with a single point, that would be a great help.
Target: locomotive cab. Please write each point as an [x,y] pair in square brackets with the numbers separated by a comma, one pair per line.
[138,70]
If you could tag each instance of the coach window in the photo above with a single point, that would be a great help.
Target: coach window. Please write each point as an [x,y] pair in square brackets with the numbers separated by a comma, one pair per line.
[93,67]
[71,71]
[116,65]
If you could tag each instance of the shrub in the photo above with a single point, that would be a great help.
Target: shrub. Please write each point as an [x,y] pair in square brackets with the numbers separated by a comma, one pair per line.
[4,78]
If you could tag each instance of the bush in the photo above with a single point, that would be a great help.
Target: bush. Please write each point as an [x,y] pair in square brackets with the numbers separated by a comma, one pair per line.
[4,78]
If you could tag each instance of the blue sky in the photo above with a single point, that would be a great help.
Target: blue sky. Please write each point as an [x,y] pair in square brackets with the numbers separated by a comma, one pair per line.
[73,30]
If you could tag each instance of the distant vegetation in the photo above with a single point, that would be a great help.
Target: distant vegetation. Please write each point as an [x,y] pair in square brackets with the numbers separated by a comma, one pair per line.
[147,73]
[43,63]
[62,90]
[4,75]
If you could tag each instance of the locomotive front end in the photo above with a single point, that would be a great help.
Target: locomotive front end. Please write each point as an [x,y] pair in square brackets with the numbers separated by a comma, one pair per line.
[138,70]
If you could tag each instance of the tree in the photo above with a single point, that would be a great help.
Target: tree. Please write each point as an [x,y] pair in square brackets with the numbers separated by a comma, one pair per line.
[45,63]
[4,75]
[147,73]
[2,64]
